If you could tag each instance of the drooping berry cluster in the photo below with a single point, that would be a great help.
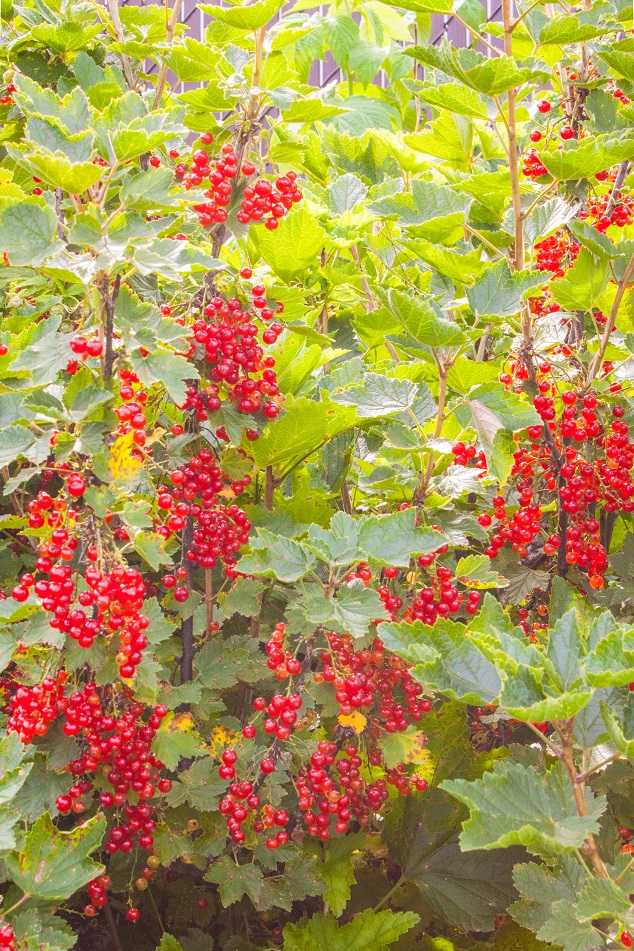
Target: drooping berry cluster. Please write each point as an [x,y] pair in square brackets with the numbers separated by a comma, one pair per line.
[219,530]
[238,369]
[32,709]
[7,937]
[267,201]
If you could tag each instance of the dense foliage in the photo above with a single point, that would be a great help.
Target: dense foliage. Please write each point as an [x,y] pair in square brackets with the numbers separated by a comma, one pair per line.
[316,445]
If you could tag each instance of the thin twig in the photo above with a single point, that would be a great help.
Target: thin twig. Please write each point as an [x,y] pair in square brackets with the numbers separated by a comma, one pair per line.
[171,30]
[597,362]
[126,65]
[621,175]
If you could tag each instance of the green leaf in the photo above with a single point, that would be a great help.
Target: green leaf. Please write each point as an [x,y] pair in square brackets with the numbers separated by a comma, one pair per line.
[151,547]
[224,662]
[35,930]
[355,607]
[28,232]
[474,571]
[584,159]
[459,268]
[515,805]
[199,786]
[244,16]
[564,30]
[403,747]
[235,880]
[174,741]
[169,943]
[583,284]
[57,169]
[66,37]
[149,191]
[451,96]
[345,192]
[445,659]
[13,768]
[489,76]
[305,427]
[565,930]
[46,356]
[337,871]
[377,396]
[466,889]
[14,442]
[369,931]
[294,246]
[53,865]
[165,367]
[242,598]
[501,292]
[275,556]
[420,319]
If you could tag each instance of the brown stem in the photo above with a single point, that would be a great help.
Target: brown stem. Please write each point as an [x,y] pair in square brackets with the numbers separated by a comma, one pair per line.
[112,928]
[443,370]
[269,488]
[346,501]
[209,598]
[621,175]
[108,359]
[171,30]
[597,361]
[187,627]
[565,734]
[113,8]
[370,302]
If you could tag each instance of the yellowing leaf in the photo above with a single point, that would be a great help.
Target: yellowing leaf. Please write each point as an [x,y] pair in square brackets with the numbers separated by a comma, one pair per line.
[221,738]
[124,465]
[182,721]
[355,721]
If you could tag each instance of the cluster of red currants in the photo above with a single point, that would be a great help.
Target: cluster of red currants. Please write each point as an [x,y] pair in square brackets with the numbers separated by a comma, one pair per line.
[32,709]
[241,802]
[332,790]
[281,715]
[218,531]
[464,455]
[238,365]
[532,166]
[368,681]
[281,661]
[83,349]
[7,937]
[131,414]
[267,198]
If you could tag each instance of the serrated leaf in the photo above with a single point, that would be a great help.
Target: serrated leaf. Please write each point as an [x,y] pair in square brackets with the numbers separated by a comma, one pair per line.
[235,880]
[474,571]
[53,865]
[175,739]
[501,292]
[28,232]
[490,76]
[355,607]
[406,746]
[583,284]
[345,192]
[369,931]
[444,658]
[377,396]
[419,318]
[294,246]
[276,556]
[151,547]
[451,96]
[515,805]
[304,428]
[589,156]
